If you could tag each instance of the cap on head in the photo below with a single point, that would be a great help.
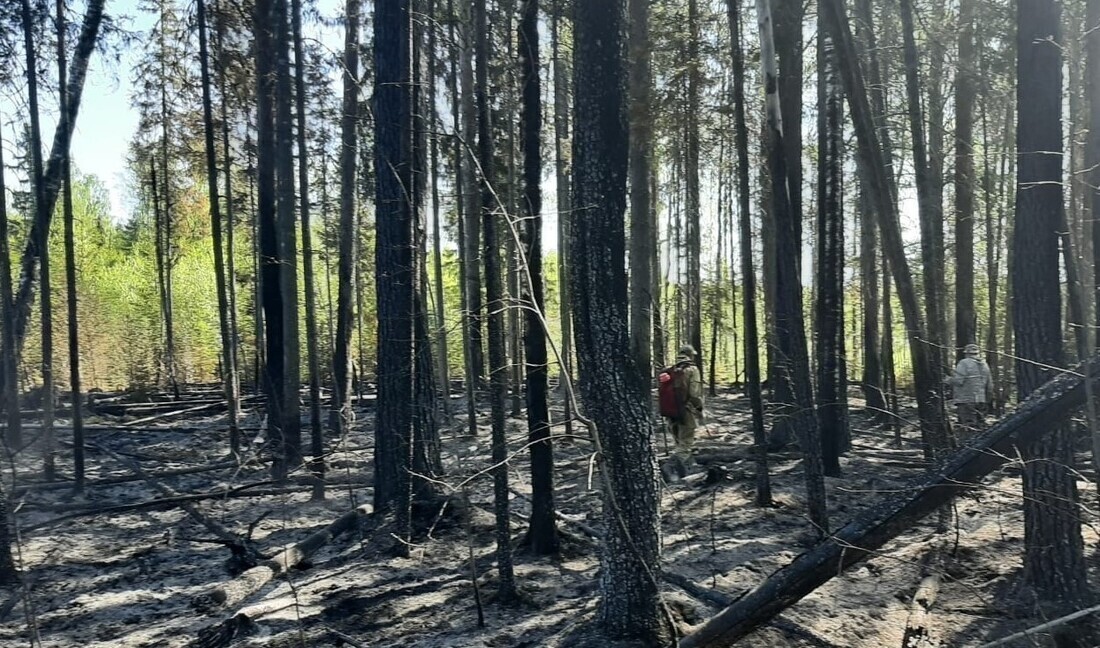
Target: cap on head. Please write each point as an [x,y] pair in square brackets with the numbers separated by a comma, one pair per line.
[971,350]
[687,350]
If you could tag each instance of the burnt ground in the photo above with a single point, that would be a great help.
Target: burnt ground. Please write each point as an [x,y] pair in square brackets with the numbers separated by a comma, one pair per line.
[129,577]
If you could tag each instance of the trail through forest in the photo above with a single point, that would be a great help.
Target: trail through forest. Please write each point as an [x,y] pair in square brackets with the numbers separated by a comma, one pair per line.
[131,577]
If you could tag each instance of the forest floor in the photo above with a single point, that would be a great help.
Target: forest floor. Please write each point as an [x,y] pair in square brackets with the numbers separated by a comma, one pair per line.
[128,578]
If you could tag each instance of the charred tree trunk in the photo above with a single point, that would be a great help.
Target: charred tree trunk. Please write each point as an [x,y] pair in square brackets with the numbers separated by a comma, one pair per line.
[542,536]
[472,210]
[437,236]
[641,222]
[565,217]
[39,190]
[794,391]
[692,235]
[395,271]
[966,317]
[340,413]
[229,370]
[70,268]
[285,205]
[271,293]
[1054,555]
[929,213]
[829,307]
[613,386]
[748,273]
[313,361]
[10,358]
[494,306]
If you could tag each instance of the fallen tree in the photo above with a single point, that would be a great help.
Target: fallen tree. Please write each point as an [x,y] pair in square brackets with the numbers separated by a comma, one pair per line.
[1040,413]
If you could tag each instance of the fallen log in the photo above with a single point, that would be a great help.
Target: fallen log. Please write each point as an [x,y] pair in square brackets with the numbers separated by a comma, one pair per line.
[714,597]
[959,472]
[253,580]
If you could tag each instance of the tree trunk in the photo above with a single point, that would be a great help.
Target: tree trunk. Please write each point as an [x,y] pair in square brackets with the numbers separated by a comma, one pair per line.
[285,205]
[166,220]
[70,269]
[542,535]
[871,379]
[693,240]
[437,237]
[829,307]
[927,373]
[313,361]
[561,172]
[966,316]
[613,386]
[789,16]
[748,273]
[642,225]
[274,369]
[461,189]
[1092,150]
[229,370]
[340,413]
[794,391]
[1053,558]
[474,307]
[37,185]
[494,306]
[10,359]
[230,213]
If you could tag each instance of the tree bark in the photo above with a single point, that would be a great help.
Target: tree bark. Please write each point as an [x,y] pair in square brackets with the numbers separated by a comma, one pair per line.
[38,186]
[929,209]
[829,307]
[229,369]
[395,270]
[437,237]
[966,317]
[10,358]
[494,306]
[313,361]
[748,273]
[285,206]
[565,217]
[70,269]
[613,386]
[794,391]
[474,306]
[340,413]
[692,235]
[1054,557]
[642,225]
[542,536]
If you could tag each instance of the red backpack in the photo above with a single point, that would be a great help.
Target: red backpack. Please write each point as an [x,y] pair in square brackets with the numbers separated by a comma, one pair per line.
[672,391]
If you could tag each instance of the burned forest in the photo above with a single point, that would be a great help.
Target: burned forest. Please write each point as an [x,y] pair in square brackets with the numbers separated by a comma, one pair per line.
[555,323]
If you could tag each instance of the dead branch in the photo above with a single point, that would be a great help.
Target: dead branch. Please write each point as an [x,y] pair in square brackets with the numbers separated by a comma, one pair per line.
[959,472]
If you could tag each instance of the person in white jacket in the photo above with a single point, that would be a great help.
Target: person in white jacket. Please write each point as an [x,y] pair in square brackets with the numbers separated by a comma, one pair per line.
[973,388]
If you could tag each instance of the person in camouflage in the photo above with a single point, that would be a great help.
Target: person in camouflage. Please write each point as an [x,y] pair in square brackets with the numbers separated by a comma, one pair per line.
[973,386]
[683,430]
